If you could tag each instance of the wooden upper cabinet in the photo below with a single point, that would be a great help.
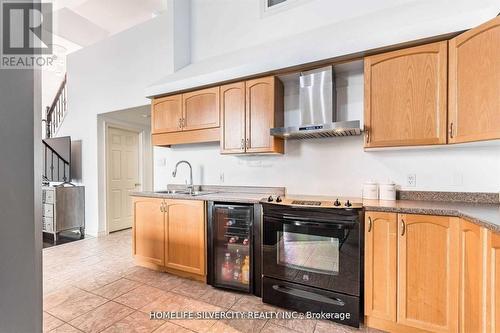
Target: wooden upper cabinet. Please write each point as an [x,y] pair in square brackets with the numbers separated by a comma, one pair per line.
[148,231]
[166,114]
[380,265]
[185,236]
[493,282]
[200,109]
[474,89]
[232,103]
[405,97]
[471,278]
[428,272]
[264,110]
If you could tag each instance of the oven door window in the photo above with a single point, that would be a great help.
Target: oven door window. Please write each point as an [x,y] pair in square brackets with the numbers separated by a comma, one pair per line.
[306,252]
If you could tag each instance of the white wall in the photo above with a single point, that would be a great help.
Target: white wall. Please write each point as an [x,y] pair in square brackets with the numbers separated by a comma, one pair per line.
[109,76]
[336,166]
[222,26]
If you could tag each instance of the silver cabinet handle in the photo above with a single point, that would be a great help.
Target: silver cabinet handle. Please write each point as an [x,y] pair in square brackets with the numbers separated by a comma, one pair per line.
[248,144]
[242,144]
[369,224]
[403,227]
[367,131]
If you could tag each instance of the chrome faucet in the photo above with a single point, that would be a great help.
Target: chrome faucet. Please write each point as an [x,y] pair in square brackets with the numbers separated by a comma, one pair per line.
[189,187]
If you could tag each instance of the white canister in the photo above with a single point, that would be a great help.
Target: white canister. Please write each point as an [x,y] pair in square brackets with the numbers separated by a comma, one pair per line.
[370,190]
[387,191]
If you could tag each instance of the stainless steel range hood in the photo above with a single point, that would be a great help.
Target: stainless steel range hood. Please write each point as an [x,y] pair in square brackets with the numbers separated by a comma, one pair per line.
[317,106]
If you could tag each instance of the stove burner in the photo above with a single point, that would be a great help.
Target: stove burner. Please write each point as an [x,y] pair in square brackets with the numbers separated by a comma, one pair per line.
[306,203]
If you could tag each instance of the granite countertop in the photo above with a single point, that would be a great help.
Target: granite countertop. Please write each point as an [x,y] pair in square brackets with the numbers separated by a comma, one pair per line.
[237,197]
[237,194]
[484,214]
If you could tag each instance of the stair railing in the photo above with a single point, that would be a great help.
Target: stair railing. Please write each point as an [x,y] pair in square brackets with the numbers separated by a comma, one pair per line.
[56,111]
[56,168]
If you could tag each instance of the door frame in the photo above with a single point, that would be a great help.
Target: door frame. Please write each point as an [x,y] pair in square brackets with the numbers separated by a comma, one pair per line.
[145,163]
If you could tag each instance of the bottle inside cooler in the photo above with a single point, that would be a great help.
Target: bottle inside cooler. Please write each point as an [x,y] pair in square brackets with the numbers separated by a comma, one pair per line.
[232,248]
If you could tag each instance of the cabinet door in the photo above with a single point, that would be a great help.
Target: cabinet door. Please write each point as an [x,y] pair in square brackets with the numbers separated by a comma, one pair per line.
[201,109]
[428,272]
[474,106]
[493,282]
[405,97]
[185,236]
[232,100]
[471,277]
[264,110]
[149,231]
[380,265]
[166,114]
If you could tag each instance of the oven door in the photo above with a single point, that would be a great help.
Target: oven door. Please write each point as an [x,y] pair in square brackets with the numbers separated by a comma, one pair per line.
[313,253]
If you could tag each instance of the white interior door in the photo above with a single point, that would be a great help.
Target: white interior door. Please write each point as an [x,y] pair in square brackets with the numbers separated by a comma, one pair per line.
[122,176]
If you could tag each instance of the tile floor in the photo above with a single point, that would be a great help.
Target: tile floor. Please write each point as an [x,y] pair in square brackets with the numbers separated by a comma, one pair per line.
[92,285]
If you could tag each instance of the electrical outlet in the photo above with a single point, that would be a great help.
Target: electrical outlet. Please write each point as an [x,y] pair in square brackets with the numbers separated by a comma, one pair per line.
[411,180]
[221,177]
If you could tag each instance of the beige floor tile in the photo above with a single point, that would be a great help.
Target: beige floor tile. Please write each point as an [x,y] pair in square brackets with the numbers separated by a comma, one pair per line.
[299,325]
[272,328]
[191,288]
[76,306]
[198,325]
[96,280]
[222,327]
[60,296]
[220,298]
[137,322]
[245,325]
[140,296]
[168,302]
[117,288]
[66,328]
[50,322]
[323,326]
[172,328]
[101,318]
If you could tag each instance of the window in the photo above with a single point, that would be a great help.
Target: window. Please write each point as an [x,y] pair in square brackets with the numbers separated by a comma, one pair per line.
[271,3]
[274,6]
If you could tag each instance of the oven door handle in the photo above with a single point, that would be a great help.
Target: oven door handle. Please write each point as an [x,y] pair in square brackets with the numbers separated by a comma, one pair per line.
[308,295]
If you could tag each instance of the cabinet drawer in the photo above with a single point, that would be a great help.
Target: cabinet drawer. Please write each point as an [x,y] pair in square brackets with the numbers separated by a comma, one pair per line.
[48,224]
[48,197]
[48,210]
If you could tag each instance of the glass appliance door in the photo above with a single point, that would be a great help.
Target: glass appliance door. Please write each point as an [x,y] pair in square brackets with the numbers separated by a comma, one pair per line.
[232,239]
[323,255]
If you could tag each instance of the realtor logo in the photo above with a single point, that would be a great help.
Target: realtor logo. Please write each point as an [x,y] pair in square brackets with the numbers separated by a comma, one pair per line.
[26,34]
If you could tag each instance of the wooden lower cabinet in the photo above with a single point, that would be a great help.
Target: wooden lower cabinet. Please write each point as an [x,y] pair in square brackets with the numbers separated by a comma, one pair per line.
[428,272]
[492,282]
[149,231]
[471,307]
[169,235]
[185,236]
[380,265]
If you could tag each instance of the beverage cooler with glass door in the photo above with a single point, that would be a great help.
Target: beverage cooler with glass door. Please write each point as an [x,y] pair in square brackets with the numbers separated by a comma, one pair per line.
[232,255]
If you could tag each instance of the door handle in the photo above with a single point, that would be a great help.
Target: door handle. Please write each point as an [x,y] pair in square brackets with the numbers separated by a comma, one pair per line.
[451,130]
[248,144]
[242,144]
[369,224]
[403,227]
[137,184]
[180,122]
[308,295]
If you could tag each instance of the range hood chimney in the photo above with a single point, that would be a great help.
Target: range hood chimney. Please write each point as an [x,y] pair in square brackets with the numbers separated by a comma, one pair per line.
[318,116]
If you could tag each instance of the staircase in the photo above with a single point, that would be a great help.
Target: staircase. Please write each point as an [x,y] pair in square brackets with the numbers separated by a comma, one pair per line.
[57,111]
[55,167]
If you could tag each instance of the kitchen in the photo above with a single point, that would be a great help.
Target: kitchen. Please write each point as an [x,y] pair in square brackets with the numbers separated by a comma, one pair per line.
[372,258]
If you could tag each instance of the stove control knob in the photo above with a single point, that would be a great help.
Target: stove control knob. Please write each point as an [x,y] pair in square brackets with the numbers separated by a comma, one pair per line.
[348,203]
[270,199]
[278,199]
[337,203]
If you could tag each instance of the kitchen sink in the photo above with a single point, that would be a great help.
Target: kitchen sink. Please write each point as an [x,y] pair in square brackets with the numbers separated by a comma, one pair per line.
[184,192]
